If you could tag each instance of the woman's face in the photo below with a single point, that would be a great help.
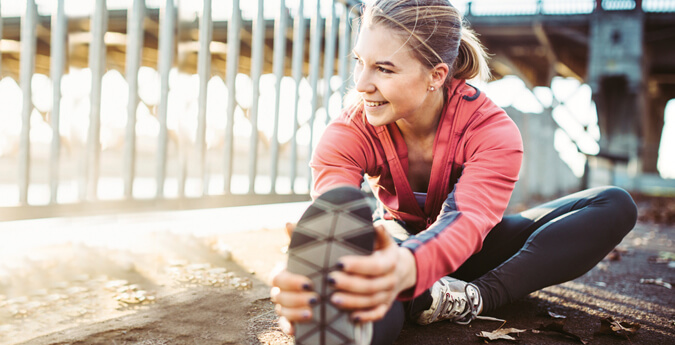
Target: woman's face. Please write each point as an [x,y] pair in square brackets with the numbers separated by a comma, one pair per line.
[393,84]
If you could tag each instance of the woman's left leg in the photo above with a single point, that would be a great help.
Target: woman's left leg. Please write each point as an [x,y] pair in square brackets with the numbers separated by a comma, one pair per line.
[550,244]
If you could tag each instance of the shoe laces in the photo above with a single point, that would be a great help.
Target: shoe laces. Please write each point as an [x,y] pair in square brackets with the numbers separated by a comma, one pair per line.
[461,307]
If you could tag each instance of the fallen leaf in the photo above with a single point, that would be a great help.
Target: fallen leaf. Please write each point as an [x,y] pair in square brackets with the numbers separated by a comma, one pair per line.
[614,255]
[558,326]
[556,316]
[613,327]
[662,258]
[500,333]
[657,281]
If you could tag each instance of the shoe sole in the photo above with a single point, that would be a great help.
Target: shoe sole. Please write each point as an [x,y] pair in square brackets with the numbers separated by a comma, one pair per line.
[338,223]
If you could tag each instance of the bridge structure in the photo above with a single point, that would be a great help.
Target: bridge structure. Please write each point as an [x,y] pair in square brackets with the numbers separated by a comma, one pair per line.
[623,49]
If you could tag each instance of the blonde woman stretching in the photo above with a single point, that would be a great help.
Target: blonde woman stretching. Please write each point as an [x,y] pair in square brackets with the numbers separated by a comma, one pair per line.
[442,160]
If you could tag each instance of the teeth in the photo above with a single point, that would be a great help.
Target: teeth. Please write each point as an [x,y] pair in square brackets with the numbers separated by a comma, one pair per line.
[374,104]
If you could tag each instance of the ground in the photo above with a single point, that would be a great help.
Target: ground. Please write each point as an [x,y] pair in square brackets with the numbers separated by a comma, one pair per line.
[168,287]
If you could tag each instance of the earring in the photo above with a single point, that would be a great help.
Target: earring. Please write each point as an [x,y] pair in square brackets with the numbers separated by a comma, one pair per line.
[431,88]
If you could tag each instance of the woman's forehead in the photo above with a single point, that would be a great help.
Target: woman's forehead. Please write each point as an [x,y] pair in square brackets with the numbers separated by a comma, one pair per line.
[381,43]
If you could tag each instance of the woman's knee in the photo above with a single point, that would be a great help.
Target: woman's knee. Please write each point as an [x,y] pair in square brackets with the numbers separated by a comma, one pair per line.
[624,210]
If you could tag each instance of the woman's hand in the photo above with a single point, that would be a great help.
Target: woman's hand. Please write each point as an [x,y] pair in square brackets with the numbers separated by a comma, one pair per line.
[368,285]
[294,297]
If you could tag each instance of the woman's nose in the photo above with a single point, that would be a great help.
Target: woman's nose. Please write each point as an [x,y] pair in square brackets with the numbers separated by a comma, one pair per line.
[363,82]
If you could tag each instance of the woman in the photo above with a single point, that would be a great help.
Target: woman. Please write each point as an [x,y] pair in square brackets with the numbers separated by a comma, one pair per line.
[442,159]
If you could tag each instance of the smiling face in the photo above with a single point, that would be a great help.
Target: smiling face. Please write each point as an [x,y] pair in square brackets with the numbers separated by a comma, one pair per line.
[394,85]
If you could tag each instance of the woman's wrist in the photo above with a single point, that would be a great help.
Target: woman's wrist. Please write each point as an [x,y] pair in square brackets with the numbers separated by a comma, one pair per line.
[407,269]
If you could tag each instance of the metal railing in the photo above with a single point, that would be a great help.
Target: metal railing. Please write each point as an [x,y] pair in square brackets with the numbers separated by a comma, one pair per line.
[183,163]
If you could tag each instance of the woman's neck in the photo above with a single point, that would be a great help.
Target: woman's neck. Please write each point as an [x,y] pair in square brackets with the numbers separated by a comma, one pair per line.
[423,126]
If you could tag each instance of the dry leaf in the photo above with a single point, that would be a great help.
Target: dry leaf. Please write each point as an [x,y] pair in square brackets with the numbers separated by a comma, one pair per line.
[617,328]
[662,258]
[657,281]
[556,316]
[558,326]
[501,333]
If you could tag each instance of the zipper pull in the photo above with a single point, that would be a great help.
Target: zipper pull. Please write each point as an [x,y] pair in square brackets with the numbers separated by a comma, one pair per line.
[429,222]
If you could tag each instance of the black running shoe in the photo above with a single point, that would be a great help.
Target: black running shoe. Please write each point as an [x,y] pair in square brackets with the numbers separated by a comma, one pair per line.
[338,223]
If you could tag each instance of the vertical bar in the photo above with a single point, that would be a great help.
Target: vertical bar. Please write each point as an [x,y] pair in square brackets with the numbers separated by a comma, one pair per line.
[343,54]
[204,72]
[135,31]
[166,48]
[329,59]
[97,58]
[256,70]
[233,41]
[314,55]
[1,41]
[355,35]
[298,62]
[28,50]
[279,55]
[57,65]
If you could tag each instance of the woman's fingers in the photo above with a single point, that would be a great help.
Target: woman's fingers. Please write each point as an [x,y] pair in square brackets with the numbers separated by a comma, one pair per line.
[370,315]
[294,299]
[286,280]
[357,302]
[289,228]
[286,326]
[294,314]
[362,285]
[382,238]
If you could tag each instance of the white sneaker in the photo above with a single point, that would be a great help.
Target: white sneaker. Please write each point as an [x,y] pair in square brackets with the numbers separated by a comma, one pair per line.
[454,300]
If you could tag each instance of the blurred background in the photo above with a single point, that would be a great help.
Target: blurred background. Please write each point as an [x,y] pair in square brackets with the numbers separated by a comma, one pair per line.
[132,104]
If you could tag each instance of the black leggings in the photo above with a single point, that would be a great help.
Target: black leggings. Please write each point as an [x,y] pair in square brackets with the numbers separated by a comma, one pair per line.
[543,246]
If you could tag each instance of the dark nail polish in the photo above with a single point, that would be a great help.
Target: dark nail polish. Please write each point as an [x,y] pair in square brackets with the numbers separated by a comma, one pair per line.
[306,287]
[356,319]
[331,281]
[340,265]
[313,301]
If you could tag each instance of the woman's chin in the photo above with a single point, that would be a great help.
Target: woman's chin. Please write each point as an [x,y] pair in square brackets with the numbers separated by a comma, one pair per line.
[376,120]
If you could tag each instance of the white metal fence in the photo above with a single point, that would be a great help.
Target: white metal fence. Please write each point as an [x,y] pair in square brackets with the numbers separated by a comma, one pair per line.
[212,116]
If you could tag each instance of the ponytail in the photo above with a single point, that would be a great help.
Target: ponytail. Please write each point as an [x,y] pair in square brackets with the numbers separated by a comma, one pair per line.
[472,58]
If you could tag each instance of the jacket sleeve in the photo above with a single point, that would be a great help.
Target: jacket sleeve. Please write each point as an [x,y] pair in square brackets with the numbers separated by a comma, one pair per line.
[477,203]
[340,158]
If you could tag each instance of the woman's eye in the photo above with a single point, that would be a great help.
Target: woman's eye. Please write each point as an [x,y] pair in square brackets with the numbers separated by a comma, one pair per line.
[384,70]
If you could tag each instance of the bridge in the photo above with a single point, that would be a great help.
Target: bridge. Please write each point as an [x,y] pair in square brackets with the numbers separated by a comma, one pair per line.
[622,49]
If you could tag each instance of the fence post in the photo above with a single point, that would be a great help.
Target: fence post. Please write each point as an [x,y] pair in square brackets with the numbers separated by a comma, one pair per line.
[329,58]
[343,53]
[257,48]
[279,57]
[57,65]
[233,41]
[166,52]
[97,58]
[28,50]
[135,37]
[314,55]
[204,72]
[298,59]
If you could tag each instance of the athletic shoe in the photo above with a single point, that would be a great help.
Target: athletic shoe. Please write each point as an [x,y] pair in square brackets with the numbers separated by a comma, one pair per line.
[338,223]
[453,300]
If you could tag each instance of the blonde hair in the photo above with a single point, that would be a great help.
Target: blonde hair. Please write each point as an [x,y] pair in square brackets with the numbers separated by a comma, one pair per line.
[435,33]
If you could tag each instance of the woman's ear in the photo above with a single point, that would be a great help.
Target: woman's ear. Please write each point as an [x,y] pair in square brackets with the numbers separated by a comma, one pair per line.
[438,74]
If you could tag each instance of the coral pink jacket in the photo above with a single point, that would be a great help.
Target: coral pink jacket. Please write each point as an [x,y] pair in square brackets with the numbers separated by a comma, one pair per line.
[477,156]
